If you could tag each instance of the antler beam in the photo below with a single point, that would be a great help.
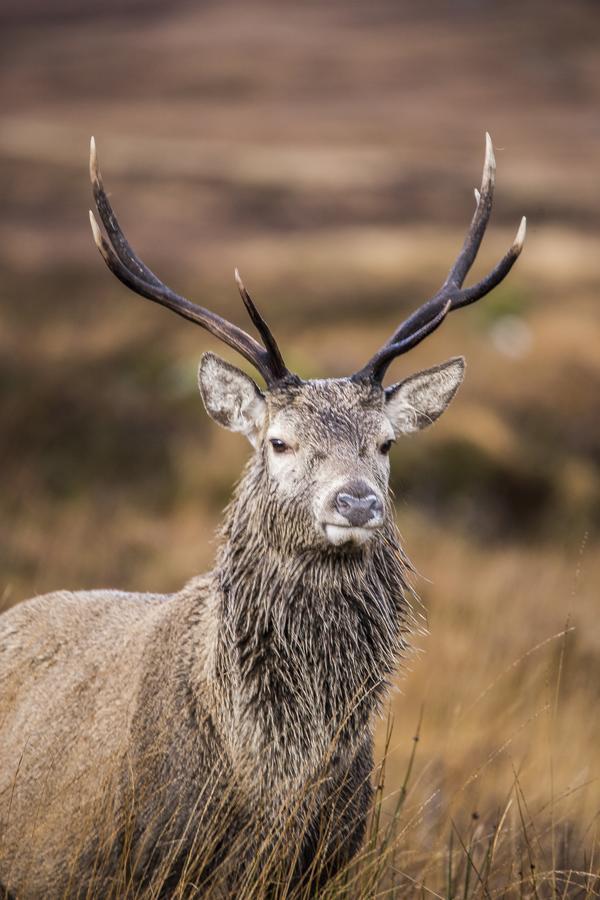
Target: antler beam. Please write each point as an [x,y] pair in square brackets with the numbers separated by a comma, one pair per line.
[451,295]
[123,262]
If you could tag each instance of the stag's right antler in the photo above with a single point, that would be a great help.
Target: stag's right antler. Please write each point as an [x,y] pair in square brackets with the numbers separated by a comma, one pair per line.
[122,260]
[451,295]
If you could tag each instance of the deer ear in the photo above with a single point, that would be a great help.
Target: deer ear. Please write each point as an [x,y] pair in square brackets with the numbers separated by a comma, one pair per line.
[418,401]
[230,396]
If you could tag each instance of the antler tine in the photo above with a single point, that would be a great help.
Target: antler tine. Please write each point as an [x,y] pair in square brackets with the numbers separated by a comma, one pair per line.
[452,295]
[262,328]
[481,217]
[119,242]
[122,260]
[498,273]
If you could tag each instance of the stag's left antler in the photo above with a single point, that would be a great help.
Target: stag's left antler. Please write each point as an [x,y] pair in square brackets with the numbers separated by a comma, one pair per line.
[451,295]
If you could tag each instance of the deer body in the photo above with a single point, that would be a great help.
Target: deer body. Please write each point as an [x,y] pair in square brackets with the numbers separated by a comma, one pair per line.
[198,737]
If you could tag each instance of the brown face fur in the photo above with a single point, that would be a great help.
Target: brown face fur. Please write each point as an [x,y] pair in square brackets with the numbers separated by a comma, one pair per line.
[325,443]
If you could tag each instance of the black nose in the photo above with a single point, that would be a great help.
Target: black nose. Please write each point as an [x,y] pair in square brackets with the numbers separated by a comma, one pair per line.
[358,504]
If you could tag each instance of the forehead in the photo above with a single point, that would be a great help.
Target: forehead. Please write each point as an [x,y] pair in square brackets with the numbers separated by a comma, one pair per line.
[333,407]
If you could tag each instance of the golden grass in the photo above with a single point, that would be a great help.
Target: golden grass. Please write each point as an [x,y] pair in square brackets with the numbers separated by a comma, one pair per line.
[419,841]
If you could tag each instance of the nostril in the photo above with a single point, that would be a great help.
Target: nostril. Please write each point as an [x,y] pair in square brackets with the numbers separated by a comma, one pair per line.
[358,511]
[345,501]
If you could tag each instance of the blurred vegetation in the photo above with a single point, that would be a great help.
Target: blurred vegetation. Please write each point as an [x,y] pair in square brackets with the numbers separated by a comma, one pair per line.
[330,151]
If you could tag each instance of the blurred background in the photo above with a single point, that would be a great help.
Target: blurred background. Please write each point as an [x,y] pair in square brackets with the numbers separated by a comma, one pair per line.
[330,151]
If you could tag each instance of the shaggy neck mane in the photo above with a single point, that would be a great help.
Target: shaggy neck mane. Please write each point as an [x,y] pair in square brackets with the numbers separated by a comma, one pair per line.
[308,634]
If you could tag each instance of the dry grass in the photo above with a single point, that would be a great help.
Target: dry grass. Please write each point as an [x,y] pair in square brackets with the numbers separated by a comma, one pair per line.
[418,842]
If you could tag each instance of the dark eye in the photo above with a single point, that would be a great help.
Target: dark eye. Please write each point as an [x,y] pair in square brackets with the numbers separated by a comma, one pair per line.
[386,447]
[279,446]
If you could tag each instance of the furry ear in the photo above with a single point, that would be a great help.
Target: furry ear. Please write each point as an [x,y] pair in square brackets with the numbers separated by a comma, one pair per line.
[418,401]
[230,397]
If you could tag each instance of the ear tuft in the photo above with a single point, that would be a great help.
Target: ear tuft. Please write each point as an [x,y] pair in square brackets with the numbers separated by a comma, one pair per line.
[418,401]
[231,397]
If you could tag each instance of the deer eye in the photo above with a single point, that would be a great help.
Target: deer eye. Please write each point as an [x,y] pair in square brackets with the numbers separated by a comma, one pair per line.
[278,446]
[386,447]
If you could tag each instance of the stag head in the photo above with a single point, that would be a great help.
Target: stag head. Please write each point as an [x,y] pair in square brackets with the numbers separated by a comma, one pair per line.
[323,444]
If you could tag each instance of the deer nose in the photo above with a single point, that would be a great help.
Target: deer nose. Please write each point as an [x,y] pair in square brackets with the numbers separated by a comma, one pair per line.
[358,507]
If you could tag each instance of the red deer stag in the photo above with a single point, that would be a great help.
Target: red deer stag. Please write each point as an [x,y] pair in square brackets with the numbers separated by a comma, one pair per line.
[226,730]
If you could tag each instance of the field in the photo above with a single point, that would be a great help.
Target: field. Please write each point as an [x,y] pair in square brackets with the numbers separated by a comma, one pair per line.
[330,151]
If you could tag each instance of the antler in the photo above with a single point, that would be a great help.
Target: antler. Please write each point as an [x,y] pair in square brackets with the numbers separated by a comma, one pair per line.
[122,260]
[451,295]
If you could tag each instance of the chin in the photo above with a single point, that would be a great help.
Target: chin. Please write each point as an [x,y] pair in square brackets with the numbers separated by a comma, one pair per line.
[339,535]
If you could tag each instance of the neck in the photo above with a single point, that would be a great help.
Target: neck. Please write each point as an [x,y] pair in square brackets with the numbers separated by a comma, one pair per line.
[309,634]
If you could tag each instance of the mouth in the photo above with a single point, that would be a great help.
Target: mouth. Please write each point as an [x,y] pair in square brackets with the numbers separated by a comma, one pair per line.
[348,534]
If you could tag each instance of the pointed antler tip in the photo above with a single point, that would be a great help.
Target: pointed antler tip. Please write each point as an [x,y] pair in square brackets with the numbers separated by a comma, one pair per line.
[240,283]
[520,237]
[489,166]
[94,173]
